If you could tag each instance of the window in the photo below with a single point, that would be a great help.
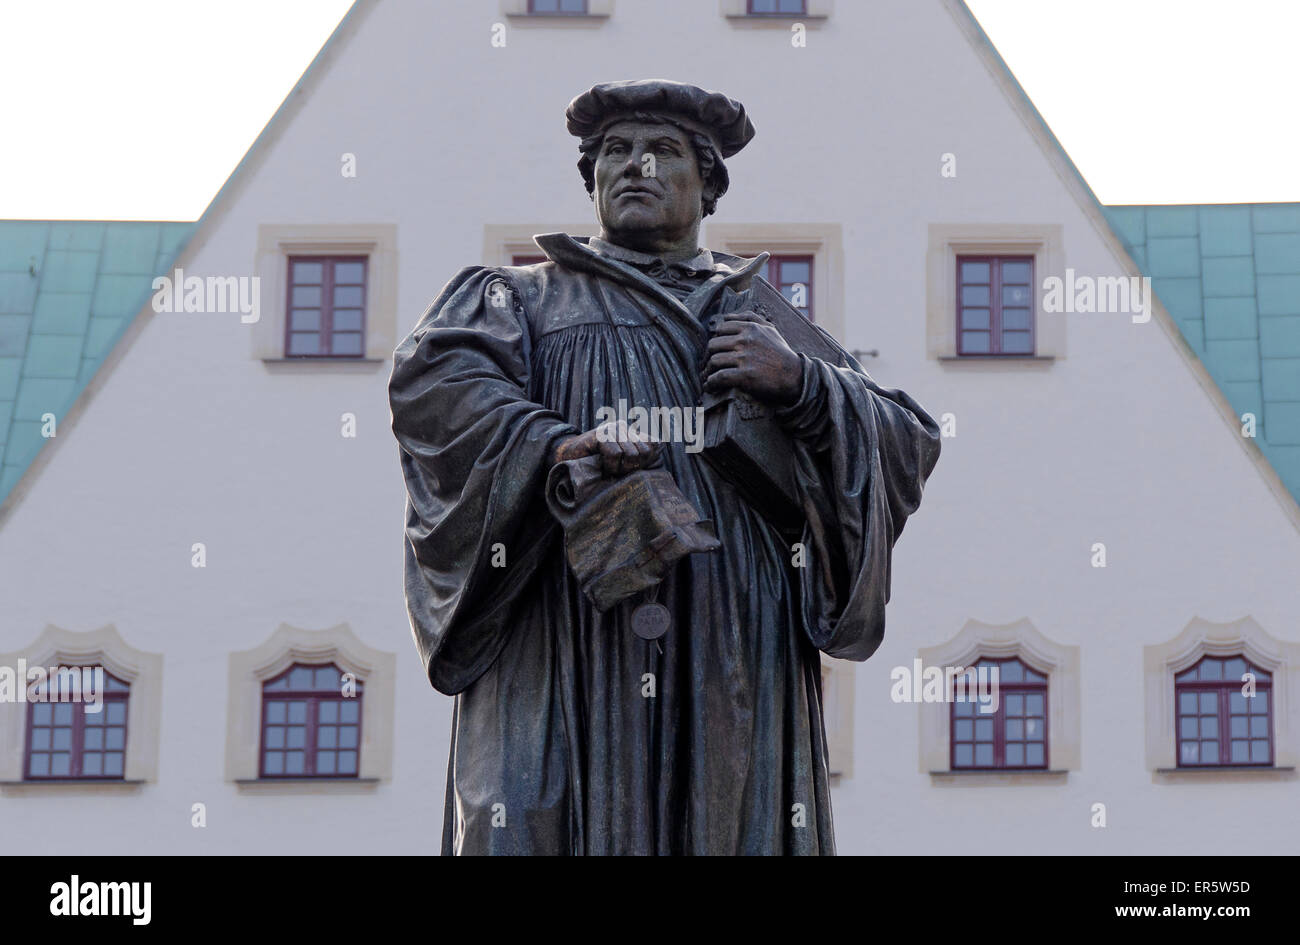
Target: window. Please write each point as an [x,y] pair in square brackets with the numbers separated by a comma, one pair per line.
[66,740]
[793,276]
[777,7]
[1012,736]
[558,7]
[326,307]
[995,309]
[310,727]
[526,259]
[1218,724]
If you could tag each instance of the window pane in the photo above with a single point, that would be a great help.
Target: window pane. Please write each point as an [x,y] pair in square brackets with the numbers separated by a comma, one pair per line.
[347,762]
[306,320]
[975,295]
[1034,730]
[348,736]
[1015,705]
[347,296]
[1240,752]
[329,711]
[347,319]
[975,272]
[325,736]
[60,765]
[1017,272]
[1017,342]
[964,755]
[301,342]
[1235,667]
[964,706]
[1015,319]
[792,272]
[1238,729]
[63,738]
[1209,703]
[300,678]
[116,738]
[63,714]
[1236,702]
[274,762]
[1034,704]
[1211,669]
[1259,752]
[348,273]
[975,319]
[1188,675]
[297,736]
[275,737]
[1209,753]
[975,342]
[92,764]
[964,730]
[41,738]
[1258,703]
[306,296]
[348,711]
[293,763]
[115,713]
[1011,671]
[325,762]
[1187,727]
[40,766]
[275,712]
[1190,753]
[1210,726]
[297,712]
[1015,295]
[349,343]
[1015,730]
[42,713]
[983,755]
[1259,726]
[306,273]
[1015,754]
[1034,754]
[328,677]
[984,730]
[1187,703]
[113,764]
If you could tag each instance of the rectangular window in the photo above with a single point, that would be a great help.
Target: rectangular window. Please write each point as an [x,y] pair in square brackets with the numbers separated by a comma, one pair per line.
[558,7]
[311,724]
[326,307]
[1014,735]
[777,7]
[67,742]
[1222,721]
[526,259]
[995,305]
[793,277]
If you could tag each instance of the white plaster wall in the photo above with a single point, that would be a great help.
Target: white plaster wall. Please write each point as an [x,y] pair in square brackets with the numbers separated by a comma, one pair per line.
[192,440]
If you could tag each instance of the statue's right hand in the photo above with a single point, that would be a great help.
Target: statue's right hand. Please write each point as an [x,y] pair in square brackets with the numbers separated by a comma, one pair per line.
[620,449]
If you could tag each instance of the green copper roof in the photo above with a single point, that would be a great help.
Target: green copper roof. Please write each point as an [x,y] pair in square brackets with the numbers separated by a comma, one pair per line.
[1229,274]
[68,290]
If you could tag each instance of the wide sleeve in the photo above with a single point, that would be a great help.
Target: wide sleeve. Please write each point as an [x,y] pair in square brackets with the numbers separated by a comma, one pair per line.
[475,453]
[862,456]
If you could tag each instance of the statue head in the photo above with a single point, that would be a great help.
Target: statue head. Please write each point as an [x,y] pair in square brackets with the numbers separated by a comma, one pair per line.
[652,153]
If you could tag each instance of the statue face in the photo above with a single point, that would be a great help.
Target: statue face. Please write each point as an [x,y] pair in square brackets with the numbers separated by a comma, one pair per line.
[647,179]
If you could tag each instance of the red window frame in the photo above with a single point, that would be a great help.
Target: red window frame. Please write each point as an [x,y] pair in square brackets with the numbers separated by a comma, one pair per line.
[120,695]
[1023,688]
[325,329]
[802,11]
[773,275]
[1194,682]
[995,307]
[314,696]
[533,11]
[526,259]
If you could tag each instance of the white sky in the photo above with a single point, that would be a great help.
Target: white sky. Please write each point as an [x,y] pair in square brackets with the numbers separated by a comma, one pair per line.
[140,109]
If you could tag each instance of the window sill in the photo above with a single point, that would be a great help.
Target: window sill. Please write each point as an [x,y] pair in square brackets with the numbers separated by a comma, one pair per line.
[1225,773]
[71,786]
[1030,361]
[307,785]
[987,777]
[775,20]
[324,365]
[587,20]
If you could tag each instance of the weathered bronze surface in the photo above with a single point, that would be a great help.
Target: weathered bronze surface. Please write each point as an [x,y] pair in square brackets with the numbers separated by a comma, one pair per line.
[642,687]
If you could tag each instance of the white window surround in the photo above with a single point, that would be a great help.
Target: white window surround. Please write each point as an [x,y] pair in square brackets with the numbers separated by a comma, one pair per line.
[503,241]
[276,242]
[1000,641]
[598,11]
[1201,638]
[1044,241]
[737,14]
[249,669]
[823,241]
[140,670]
[837,710]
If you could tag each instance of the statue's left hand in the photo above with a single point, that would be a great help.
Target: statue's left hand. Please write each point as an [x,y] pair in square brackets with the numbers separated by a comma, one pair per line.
[747,352]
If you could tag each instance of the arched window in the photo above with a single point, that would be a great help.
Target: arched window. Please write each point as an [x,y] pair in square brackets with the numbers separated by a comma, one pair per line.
[311,724]
[1220,720]
[70,735]
[1004,727]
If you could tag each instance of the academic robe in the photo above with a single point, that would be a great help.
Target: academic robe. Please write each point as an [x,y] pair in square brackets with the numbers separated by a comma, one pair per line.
[571,735]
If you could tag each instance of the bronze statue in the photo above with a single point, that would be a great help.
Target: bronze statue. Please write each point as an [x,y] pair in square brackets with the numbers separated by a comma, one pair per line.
[631,632]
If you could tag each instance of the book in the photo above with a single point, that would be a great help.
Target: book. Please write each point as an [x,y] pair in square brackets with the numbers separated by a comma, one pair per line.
[742,438]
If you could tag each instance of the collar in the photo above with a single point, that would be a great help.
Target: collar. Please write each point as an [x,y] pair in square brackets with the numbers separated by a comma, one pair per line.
[700,262]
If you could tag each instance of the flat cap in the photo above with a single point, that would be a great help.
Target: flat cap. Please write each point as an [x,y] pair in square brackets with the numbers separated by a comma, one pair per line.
[722,118]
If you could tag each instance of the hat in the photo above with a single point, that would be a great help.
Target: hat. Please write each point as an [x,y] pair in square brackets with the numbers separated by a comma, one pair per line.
[719,117]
